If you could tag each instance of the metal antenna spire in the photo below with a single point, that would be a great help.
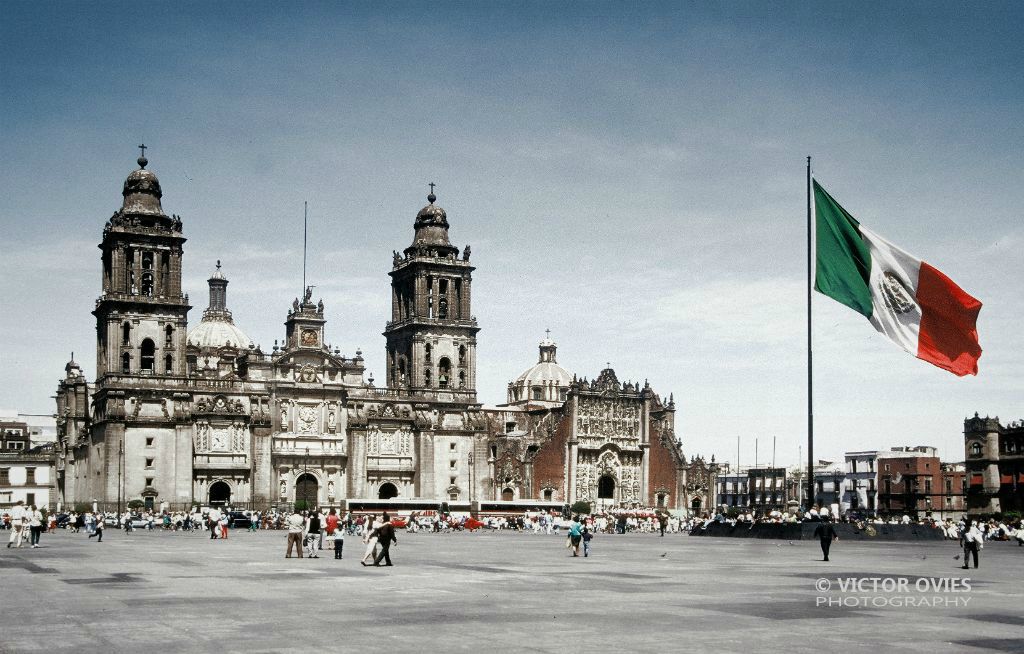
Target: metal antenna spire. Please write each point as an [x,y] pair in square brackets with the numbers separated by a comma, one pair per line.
[305,217]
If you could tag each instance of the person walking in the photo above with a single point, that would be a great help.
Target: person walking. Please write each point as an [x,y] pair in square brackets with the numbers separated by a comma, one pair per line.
[17,525]
[662,523]
[973,543]
[335,532]
[826,533]
[98,530]
[575,535]
[35,525]
[370,538]
[587,536]
[313,534]
[385,536]
[295,524]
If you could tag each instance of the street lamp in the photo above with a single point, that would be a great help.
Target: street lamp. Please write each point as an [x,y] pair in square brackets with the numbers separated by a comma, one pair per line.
[120,465]
[471,459]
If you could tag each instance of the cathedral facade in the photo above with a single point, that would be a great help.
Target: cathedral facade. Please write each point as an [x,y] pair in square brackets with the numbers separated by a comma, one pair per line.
[180,416]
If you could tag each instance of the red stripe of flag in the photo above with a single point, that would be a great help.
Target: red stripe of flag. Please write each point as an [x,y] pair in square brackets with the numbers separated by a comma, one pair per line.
[949,315]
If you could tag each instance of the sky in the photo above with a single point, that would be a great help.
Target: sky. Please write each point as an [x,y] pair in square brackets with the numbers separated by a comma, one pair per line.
[630,176]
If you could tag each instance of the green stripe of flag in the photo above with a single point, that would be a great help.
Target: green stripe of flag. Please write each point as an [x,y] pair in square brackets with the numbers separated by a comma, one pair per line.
[843,266]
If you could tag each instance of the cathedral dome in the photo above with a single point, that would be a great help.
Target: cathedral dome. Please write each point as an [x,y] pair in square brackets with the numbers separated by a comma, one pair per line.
[432,230]
[142,191]
[217,327]
[545,381]
[216,333]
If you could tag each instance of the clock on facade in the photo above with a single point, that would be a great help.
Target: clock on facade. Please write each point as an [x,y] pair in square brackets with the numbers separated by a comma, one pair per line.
[309,337]
[219,439]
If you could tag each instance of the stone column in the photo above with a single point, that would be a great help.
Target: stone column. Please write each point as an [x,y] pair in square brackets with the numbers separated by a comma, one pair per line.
[420,301]
[356,463]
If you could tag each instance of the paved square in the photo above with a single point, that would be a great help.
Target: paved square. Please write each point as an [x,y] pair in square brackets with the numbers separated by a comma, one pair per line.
[178,592]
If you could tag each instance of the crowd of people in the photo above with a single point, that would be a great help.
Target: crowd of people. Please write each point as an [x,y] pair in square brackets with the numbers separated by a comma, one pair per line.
[28,523]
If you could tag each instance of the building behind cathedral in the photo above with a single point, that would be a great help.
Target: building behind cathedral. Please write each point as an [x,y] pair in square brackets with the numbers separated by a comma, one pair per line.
[179,415]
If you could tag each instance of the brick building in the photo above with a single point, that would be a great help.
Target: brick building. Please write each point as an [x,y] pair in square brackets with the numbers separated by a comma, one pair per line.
[607,442]
[913,481]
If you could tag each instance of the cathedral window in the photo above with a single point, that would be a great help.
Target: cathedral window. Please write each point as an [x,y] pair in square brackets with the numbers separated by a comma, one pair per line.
[462,355]
[126,363]
[443,372]
[126,334]
[549,495]
[426,379]
[462,379]
[168,335]
[563,394]
[148,359]
[147,284]
[168,364]
[426,353]
[975,449]
[538,393]
[147,261]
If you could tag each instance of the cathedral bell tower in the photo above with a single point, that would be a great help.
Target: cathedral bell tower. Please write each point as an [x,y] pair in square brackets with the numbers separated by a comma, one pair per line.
[142,315]
[431,337]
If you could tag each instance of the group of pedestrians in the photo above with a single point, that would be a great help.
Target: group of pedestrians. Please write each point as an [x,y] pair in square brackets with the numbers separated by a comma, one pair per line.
[25,519]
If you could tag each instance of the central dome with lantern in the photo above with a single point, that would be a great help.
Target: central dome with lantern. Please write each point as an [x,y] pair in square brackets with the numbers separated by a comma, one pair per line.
[217,329]
[545,383]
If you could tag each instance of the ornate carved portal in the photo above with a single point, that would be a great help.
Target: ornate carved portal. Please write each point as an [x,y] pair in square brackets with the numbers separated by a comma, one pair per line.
[608,477]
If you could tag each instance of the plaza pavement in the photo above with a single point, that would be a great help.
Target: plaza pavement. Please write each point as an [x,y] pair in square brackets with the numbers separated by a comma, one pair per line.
[496,592]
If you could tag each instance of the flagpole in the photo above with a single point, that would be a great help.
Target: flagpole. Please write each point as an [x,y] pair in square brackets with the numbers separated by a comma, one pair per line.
[810,366]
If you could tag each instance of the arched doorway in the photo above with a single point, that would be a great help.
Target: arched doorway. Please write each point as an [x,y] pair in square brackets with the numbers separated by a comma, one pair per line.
[695,504]
[606,488]
[387,491]
[307,489]
[220,494]
[508,495]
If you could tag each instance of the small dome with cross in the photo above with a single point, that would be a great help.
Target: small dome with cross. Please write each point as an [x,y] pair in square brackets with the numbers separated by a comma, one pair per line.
[142,190]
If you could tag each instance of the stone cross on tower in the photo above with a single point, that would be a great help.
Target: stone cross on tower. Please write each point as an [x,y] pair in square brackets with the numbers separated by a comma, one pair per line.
[142,148]
[547,333]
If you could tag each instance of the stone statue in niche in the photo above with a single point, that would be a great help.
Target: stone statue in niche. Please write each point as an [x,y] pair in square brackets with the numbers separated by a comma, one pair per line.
[284,488]
[330,488]
[332,420]
[284,418]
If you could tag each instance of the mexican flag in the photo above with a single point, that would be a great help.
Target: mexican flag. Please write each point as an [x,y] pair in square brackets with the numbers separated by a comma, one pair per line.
[910,302]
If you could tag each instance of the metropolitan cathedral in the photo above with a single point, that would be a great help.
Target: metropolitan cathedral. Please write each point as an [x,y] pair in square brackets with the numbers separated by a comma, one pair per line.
[180,416]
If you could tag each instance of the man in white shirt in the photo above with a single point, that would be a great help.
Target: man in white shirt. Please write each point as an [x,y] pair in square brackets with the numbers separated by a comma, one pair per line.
[17,524]
[214,521]
[296,525]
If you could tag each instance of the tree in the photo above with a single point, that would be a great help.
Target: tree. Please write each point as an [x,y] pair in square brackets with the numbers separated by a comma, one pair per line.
[581,507]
